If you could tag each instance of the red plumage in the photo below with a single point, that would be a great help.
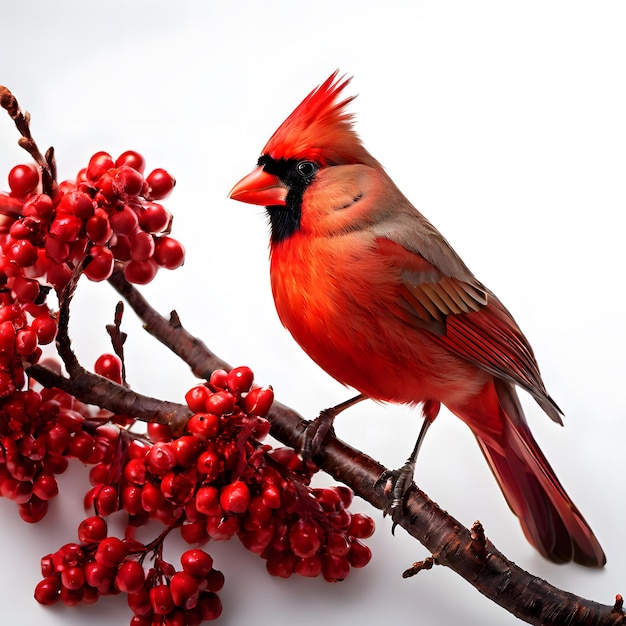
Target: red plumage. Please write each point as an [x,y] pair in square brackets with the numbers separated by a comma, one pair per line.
[380,300]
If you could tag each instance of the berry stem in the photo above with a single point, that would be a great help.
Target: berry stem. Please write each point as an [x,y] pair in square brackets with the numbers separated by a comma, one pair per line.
[22,122]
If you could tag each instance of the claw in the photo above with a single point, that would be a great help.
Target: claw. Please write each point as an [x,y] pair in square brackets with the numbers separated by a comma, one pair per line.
[314,434]
[395,484]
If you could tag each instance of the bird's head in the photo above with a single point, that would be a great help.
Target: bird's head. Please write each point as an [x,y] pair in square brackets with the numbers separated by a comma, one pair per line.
[317,135]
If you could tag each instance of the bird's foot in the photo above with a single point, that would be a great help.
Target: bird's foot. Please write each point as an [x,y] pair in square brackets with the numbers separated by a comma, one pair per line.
[314,434]
[395,484]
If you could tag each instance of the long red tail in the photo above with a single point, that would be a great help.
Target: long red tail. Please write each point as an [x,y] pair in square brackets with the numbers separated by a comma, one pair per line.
[549,519]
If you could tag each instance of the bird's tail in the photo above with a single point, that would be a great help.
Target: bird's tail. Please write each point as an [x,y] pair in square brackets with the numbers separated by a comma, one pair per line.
[549,519]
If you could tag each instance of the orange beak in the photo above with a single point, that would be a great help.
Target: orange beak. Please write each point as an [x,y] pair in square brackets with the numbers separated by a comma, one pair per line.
[259,187]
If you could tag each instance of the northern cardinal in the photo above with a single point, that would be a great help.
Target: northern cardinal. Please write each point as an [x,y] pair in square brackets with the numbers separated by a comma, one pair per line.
[380,300]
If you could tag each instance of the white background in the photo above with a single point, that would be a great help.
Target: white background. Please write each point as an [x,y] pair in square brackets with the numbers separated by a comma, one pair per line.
[504,122]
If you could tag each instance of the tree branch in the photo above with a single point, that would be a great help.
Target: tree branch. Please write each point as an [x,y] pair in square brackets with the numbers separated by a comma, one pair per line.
[469,553]
[94,389]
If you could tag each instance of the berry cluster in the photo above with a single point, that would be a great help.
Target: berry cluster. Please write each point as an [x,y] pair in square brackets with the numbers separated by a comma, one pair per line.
[39,432]
[102,565]
[108,215]
[215,481]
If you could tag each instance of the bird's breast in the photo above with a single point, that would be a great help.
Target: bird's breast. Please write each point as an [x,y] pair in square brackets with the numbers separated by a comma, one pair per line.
[336,296]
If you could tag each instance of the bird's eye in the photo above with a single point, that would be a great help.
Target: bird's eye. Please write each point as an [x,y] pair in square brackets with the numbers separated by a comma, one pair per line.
[306,169]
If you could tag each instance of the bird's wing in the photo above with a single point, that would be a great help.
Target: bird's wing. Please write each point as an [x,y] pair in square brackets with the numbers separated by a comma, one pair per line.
[465,317]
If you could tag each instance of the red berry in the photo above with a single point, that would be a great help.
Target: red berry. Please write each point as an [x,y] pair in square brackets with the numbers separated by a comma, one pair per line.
[210,606]
[73,578]
[361,526]
[131,500]
[25,289]
[77,203]
[109,366]
[107,500]
[99,575]
[310,567]
[196,398]
[139,603]
[186,450]
[45,486]
[92,530]
[131,159]
[57,250]
[281,564]
[23,179]
[258,539]
[59,274]
[154,217]
[98,228]
[72,597]
[218,379]
[169,253]
[221,403]
[184,589]
[271,496]
[211,465]
[214,580]
[57,439]
[25,341]
[40,205]
[65,228]
[204,425]
[159,432]
[359,555]
[99,263]
[161,599]
[34,510]
[197,562]
[111,552]
[47,590]
[141,246]
[337,544]
[335,568]
[135,472]
[160,459]
[194,533]
[235,497]
[208,501]
[129,180]
[124,221]
[161,183]
[99,163]
[140,272]
[130,577]
[258,512]
[258,401]
[222,528]
[23,253]
[304,538]
[82,446]
[239,379]
[179,487]
[151,498]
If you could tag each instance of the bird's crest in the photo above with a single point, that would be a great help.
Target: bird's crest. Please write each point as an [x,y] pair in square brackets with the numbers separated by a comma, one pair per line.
[320,129]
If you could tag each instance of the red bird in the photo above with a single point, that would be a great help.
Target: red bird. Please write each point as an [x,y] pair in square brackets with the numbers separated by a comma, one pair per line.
[379,299]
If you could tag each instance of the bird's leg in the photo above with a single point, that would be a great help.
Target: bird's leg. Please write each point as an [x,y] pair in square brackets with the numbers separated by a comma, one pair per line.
[315,433]
[397,482]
